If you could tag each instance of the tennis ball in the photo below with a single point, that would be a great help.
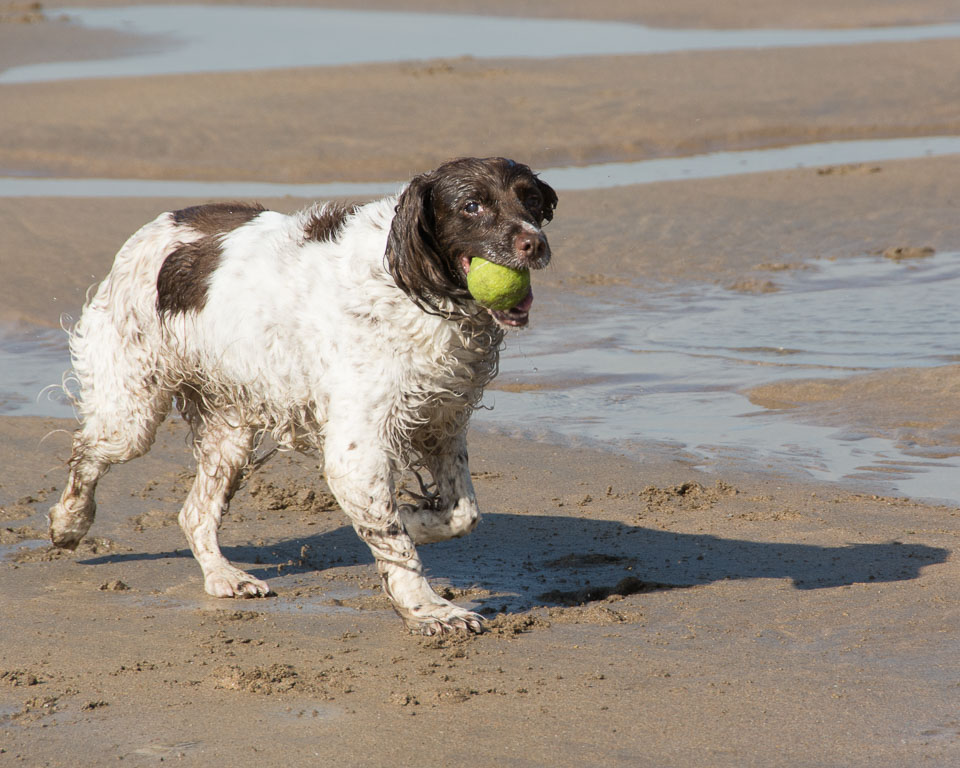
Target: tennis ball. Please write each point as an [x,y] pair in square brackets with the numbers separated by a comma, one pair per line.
[496,286]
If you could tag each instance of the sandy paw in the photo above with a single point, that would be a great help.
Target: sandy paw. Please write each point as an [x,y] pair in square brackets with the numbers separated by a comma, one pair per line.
[443,619]
[69,523]
[228,581]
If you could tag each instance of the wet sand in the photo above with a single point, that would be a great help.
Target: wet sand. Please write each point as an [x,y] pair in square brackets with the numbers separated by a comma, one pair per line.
[554,112]
[637,611]
[642,611]
[917,407]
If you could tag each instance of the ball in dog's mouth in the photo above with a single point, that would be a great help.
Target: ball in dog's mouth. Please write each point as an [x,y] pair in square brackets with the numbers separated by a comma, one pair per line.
[503,291]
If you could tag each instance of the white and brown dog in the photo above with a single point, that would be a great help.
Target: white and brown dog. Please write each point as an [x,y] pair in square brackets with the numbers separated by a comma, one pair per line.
[346,329]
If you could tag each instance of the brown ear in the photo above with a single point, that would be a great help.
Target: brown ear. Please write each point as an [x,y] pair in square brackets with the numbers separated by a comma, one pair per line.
[413,256]
[549,199]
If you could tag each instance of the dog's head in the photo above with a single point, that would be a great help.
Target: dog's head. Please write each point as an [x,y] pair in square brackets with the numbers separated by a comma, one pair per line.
[493,208]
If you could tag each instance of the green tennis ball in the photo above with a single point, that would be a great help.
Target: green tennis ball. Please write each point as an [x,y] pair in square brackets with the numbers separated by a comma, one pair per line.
[496,286]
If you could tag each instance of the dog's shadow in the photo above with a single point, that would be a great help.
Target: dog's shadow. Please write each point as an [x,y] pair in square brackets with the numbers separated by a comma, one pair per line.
[519,561]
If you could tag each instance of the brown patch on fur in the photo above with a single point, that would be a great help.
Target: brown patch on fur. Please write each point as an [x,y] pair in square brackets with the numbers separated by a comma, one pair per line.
[216,218]
[185,276]
[327,221]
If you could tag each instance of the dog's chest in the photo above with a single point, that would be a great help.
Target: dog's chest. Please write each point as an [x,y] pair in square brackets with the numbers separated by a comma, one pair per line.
[435,380]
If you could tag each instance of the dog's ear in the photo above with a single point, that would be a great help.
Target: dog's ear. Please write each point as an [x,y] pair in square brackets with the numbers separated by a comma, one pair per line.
[549,199]
[413,256]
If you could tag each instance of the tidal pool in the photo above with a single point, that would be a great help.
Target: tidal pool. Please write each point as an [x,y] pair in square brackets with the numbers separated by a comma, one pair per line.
[181,39]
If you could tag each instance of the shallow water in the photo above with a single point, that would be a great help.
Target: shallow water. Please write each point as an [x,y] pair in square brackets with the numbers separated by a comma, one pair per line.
[671,366]
[9,550]
[34,186]
[185,38]
[32,364]
[597,176]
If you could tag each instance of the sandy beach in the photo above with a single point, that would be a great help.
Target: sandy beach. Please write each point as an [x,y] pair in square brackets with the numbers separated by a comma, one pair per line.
[646,607]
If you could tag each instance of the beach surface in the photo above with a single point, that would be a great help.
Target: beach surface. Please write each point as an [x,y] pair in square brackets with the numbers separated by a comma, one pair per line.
[645,607]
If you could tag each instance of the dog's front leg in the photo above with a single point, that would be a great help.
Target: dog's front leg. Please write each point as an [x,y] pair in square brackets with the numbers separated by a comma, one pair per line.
[362,480]
[453,510]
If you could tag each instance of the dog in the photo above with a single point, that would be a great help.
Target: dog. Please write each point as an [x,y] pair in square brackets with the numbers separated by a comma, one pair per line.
[346,329]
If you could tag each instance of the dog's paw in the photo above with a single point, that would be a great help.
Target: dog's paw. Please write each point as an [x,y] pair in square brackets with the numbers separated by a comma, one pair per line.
[69,523]
[227,581]
[441,619]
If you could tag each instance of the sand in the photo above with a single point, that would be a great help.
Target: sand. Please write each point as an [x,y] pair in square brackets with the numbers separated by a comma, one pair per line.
[642,610]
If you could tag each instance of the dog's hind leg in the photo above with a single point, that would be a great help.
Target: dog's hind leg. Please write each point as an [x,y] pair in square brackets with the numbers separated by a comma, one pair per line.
[93,454]
[121,403]
[222,447]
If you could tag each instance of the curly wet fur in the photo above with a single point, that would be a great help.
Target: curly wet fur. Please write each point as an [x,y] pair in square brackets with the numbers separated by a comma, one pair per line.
[342,328]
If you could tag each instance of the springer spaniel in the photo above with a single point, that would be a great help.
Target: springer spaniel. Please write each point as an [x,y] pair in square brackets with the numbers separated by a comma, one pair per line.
[342,328]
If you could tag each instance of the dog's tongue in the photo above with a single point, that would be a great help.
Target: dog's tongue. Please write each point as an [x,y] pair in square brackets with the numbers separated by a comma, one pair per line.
[524,306]
[517,316]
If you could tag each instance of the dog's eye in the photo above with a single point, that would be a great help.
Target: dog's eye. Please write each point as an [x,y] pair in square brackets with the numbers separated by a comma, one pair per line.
[533,202]
[472,207]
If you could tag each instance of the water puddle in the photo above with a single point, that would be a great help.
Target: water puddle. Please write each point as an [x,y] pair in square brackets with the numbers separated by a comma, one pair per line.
[672,367]
[718,164]
[182,39]
[10,550]
[598,176]
[32,364]
[32,186]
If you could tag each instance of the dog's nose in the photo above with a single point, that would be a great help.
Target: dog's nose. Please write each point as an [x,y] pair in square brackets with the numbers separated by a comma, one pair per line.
[527,246]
